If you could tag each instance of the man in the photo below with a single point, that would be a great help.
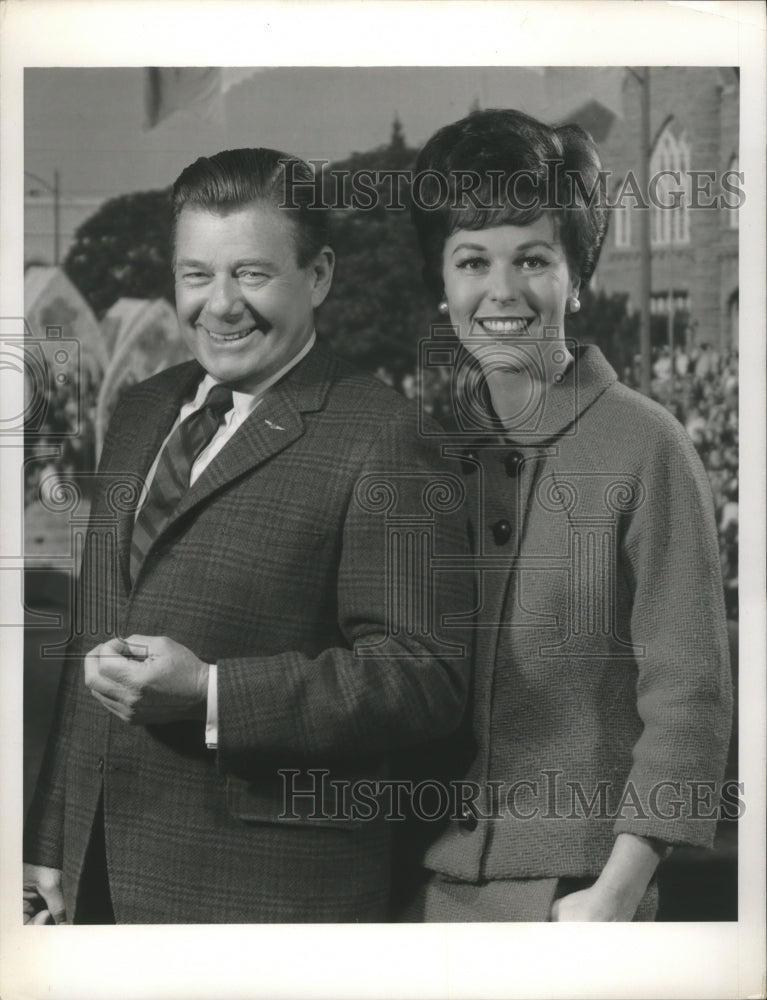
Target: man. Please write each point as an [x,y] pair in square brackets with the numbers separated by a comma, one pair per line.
[256,643]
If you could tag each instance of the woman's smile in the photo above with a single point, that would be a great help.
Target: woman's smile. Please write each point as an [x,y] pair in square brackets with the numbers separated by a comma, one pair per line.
[508,283]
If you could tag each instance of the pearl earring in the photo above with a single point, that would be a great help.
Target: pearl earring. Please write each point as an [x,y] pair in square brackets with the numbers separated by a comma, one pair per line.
[443,307]
[573,303]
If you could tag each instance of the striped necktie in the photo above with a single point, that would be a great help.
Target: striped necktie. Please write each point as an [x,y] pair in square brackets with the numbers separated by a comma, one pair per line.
[171,478]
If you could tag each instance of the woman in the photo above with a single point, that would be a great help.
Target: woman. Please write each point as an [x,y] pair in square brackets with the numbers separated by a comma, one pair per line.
[602,697]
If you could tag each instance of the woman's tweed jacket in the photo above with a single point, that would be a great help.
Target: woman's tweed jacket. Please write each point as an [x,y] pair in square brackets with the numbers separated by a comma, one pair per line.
[602,689]
[276,566]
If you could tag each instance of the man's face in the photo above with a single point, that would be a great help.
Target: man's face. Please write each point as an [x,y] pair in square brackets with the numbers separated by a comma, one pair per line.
[244,305]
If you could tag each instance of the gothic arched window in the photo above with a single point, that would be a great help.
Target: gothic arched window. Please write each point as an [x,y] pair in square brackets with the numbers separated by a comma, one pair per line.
[669,166]
[622,221]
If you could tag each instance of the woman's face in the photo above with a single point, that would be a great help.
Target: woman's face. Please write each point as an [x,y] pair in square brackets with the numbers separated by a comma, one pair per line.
[507,286]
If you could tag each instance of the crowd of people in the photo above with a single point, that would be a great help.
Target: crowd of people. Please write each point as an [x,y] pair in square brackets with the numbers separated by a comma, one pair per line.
[700,389]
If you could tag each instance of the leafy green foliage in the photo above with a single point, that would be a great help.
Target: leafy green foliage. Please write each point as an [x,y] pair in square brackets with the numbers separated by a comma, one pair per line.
[123,250]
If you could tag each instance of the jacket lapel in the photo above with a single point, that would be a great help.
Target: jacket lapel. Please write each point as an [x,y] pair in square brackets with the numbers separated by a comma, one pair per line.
[156,404]
[275,424]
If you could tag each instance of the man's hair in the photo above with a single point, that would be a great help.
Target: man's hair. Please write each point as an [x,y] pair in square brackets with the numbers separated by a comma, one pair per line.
[236,178]
[545,168]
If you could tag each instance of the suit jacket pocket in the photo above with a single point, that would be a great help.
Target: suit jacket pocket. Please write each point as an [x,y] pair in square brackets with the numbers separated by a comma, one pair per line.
[295,798]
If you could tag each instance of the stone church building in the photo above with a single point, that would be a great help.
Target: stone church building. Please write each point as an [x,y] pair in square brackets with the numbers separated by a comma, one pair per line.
[694,117]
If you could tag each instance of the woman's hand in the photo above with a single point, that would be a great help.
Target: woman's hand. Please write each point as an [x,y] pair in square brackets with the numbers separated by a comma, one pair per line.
[594,904]
[618,891]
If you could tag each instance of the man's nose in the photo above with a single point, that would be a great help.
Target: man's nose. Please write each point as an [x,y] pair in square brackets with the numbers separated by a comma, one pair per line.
[225,298]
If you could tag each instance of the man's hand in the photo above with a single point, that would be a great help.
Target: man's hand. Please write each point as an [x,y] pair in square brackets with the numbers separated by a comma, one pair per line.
[43,898]
[147,679]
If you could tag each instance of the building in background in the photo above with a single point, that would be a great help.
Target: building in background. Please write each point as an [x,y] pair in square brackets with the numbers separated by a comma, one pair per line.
[694,120]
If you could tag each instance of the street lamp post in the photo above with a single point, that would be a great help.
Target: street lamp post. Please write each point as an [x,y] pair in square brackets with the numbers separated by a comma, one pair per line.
[645,258]
[642,77]
[55,191]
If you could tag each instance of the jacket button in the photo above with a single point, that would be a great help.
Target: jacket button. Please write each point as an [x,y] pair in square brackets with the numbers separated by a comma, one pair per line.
[512,463]
[501,531]
[100,765]
[468,817]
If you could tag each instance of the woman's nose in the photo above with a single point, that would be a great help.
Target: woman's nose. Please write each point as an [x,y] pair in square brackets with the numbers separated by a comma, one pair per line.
[224,298]
[504,285]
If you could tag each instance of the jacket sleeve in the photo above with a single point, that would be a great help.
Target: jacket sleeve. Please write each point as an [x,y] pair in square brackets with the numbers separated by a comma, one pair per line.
[684,686]
[403,675]
[43,829]
[44,825]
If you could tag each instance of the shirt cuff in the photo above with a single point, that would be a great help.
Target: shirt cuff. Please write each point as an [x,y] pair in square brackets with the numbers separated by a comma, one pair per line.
[211,719]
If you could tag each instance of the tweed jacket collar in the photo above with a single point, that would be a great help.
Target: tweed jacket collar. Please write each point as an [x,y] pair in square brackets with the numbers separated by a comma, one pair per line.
[274,425]
[565,402]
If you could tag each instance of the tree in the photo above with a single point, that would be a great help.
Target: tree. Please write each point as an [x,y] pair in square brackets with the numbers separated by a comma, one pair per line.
[378,309]
[123,250]
[604,320]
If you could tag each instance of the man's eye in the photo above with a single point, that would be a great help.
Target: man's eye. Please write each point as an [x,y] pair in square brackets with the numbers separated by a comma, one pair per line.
[250,275]
[192,275]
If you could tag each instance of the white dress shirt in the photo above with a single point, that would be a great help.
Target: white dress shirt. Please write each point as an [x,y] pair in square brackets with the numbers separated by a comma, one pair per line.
[243,405]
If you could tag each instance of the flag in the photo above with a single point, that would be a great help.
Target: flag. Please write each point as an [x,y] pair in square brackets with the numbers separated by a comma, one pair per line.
[232,75]
[170,89]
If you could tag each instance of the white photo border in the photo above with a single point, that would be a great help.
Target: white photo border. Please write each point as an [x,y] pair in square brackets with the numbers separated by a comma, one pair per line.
[482,960]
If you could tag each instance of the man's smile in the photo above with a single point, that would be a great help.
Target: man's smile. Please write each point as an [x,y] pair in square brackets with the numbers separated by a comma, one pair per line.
[228,336]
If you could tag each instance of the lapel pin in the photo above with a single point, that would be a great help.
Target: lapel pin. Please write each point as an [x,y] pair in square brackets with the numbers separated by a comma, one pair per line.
[275,427]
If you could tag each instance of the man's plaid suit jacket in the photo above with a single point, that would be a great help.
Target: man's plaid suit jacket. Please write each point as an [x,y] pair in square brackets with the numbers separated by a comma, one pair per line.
[292,550]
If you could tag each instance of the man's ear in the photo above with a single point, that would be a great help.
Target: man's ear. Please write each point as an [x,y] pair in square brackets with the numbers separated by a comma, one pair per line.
[321,269]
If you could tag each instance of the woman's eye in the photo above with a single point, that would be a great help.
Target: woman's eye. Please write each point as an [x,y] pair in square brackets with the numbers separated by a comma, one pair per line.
[472,264]
[532,263]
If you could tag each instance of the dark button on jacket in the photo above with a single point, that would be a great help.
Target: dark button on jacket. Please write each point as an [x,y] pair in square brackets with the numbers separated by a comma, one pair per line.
[501,531]
[512,463]
[468,817]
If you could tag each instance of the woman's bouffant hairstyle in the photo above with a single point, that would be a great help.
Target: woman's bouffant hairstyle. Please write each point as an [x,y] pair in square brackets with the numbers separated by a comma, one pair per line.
[235,178]
[502,167]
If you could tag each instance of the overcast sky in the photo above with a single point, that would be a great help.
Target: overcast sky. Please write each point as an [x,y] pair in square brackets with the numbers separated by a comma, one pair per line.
[88,123]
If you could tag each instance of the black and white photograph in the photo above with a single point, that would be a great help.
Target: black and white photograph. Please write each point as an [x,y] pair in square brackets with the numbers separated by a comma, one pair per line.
[383,500]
